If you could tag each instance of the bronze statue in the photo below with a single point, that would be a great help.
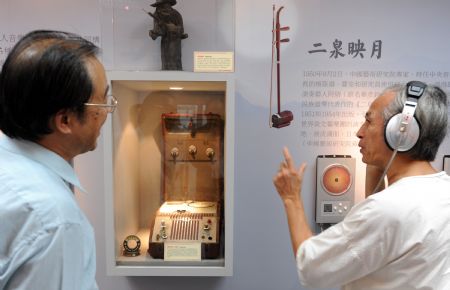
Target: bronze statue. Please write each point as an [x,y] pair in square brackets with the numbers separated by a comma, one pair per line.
[168,23]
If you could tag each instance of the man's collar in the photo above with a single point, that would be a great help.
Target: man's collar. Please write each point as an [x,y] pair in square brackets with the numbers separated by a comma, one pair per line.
[42,155]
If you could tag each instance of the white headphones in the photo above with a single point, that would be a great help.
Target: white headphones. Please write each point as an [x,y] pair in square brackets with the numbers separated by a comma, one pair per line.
[403,130]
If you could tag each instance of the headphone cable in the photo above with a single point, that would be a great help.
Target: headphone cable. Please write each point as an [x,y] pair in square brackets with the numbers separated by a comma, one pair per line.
[388,164]
[381,180]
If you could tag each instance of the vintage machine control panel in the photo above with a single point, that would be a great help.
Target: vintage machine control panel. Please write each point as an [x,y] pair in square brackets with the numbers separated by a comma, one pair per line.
[192,184]
[187,222]
[335,187]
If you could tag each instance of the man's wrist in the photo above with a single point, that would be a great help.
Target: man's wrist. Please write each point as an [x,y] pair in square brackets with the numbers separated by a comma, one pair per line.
[293,203]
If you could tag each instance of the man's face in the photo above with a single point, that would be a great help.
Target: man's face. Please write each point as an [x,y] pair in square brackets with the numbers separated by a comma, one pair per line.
[371,134]
[89,129]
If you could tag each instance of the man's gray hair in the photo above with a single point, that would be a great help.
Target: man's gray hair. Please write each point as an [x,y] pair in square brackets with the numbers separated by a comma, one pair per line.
[432,115]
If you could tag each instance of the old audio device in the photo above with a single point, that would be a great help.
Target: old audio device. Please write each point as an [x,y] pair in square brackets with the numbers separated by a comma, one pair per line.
[335,187]
[188,222]
[192,184]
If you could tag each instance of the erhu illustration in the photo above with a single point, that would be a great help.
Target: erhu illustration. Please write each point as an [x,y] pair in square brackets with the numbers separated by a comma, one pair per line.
[281,118]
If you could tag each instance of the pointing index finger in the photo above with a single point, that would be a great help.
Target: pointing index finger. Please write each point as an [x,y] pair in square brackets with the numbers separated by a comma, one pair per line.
[288,158]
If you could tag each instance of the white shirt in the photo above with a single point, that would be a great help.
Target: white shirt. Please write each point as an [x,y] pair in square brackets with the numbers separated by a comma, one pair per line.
[396,239]
[46,242]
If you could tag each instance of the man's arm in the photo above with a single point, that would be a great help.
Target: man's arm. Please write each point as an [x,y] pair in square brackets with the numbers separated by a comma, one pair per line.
[288,182]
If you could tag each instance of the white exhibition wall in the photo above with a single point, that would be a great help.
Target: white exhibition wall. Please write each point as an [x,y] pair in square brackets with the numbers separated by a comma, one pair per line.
[341,54]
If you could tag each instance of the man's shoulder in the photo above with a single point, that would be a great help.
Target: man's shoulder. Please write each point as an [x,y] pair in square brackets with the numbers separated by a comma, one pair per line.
[38,197]
[14,165]
[414,187]
[416,194]
[381,209]
[25,204]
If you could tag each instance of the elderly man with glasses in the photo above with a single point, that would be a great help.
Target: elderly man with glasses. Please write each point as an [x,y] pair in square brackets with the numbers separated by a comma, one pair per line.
[53,102]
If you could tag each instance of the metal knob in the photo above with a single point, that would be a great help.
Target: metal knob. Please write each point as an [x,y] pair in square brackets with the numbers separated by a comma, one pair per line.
[210,152]
[174,152]
[192,150]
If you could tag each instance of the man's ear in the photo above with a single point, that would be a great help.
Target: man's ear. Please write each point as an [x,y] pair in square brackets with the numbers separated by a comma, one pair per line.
[63,121]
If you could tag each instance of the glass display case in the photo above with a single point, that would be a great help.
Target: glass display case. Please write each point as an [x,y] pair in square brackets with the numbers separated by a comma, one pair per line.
[169,174]
[126,25]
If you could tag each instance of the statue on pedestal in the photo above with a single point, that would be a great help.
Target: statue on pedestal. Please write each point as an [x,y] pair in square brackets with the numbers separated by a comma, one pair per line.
[168,23]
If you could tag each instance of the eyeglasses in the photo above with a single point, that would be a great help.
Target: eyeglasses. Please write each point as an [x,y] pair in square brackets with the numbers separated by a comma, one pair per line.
[110,105]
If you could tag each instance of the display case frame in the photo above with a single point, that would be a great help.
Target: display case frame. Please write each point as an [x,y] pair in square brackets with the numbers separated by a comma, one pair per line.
[118,218]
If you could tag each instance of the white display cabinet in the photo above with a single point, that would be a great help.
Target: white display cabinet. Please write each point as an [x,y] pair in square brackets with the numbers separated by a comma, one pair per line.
[142,175]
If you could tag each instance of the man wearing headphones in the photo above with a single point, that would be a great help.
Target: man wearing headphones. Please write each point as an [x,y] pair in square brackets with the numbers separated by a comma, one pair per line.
[398,238]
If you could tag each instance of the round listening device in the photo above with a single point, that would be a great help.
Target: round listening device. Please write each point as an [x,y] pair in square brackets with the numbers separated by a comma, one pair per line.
[336,179]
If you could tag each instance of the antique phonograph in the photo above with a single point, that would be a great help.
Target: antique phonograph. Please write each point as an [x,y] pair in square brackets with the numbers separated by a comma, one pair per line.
[192,184]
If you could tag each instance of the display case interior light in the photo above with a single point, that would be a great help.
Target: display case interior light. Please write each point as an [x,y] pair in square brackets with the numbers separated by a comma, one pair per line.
[176,88]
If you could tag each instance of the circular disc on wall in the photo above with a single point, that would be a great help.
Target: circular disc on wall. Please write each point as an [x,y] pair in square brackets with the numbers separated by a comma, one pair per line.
[336,179]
